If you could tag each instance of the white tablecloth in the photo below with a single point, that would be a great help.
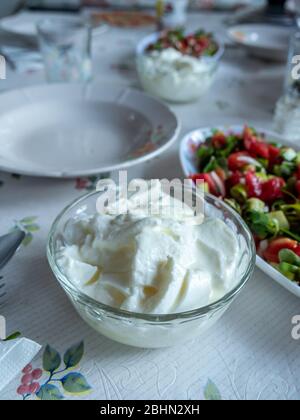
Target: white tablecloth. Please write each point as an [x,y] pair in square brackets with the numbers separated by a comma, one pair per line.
[249,354]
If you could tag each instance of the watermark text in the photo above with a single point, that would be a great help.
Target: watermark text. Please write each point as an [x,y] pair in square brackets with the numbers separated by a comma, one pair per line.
[2,68]
[296,68]
[2,328]
[296,327]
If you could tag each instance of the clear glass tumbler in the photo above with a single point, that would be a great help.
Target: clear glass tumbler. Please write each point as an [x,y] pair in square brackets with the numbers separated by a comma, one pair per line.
[287,114]
[292,80]
[66,48]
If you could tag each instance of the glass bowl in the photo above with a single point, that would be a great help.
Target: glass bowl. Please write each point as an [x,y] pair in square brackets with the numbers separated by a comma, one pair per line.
[143,330]
[178,84]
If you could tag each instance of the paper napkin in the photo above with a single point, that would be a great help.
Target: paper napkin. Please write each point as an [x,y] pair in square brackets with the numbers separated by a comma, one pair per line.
[14,356]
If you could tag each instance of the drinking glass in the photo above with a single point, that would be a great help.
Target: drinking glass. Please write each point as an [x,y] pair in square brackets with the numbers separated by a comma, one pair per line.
[292,80]
[297,11]
[66,48]
[172,13]
[287,113]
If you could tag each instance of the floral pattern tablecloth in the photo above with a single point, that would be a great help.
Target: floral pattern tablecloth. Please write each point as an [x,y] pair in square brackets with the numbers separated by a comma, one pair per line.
[249,354]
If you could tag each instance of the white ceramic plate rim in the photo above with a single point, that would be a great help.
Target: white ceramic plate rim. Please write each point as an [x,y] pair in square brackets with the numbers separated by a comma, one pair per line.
[13,24]
[123,91]
[188,169]
[250,27]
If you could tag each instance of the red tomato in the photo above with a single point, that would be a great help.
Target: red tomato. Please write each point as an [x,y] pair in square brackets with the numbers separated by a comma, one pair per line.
[254,185]
[234,162]
[260,149]
[235,178]
[267,191]
[272,189]
[208,179]
[298,172]
[203,42]
[219,140]
[191,40]
[274,155]
[271,254]
[255,146]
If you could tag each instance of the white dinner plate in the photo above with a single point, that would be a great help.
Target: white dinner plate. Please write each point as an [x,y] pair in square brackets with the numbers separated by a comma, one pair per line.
[24,24]
[233,4]
[189,166]
[264,41]
[70,130]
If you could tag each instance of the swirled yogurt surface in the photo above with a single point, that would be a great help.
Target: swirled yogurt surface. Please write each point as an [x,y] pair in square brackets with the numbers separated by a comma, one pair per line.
[175,76]
[150,264]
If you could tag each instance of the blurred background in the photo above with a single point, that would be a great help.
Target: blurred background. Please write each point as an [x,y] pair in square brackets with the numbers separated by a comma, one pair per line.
[10,6]
[273,9]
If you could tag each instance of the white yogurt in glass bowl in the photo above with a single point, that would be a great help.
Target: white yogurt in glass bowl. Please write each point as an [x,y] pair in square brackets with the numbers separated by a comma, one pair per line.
[173,76]
[150,281]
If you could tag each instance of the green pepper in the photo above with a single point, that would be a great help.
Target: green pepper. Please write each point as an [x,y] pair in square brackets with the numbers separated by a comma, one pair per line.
[286,169]
[288,154]
[231,143]
[288,256]
[212,165]
[290,234]
[277,204]
[288,271]
[239,193]
[262,225]
[292,212]
[263,162]
[263,176]
[204,154]
[281,219]
[255,204]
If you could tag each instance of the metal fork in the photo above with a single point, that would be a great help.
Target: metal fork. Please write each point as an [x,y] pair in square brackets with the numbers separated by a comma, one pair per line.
[8,246]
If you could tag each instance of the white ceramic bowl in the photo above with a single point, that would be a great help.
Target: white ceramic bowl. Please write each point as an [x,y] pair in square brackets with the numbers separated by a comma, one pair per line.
[176,85]
[189,166]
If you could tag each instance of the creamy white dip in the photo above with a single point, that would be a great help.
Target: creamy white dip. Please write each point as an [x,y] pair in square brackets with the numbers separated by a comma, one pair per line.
[150,264]
[174,76]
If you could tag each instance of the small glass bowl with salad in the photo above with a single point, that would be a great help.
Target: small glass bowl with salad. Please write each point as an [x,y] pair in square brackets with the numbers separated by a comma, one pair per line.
[176,66]
[260,179]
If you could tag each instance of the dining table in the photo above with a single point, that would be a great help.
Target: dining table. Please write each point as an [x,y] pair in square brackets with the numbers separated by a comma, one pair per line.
[250,354]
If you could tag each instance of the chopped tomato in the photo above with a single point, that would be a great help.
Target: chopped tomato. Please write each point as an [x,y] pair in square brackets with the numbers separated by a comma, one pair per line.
[267,191]
[254,185]
[235,178]
[235,162]
[255,145]
[260,149]
[213,188]
[219,183]
[272,189]
[219,140]
[274,155]
[298,172]
[271,254]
